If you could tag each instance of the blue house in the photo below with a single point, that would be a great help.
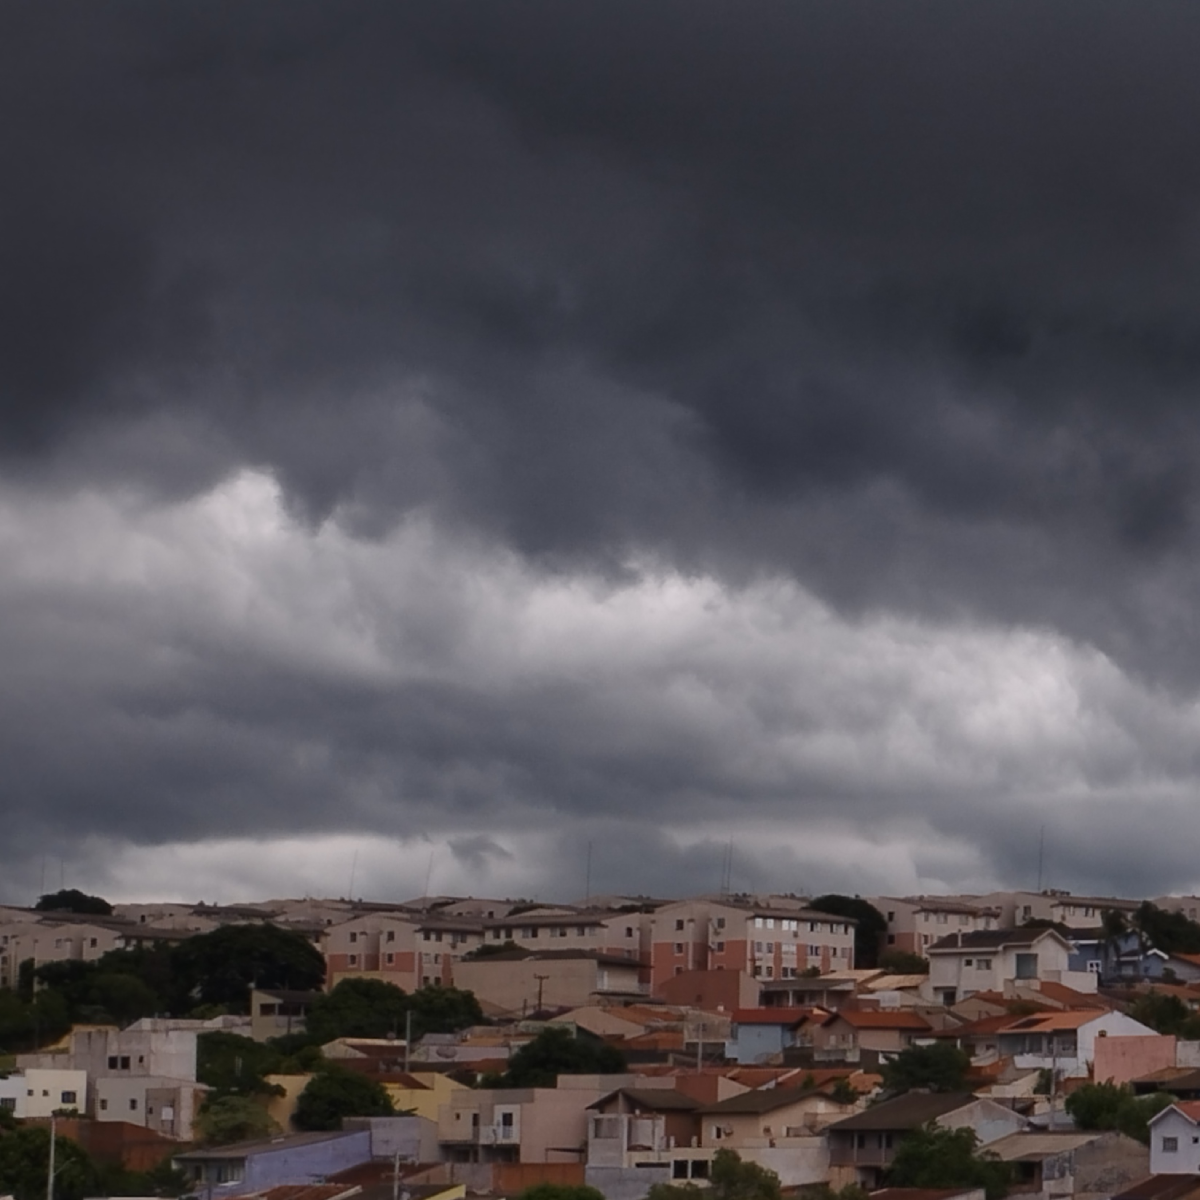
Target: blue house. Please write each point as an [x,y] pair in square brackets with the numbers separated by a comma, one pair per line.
[300,1158]
[1126,958]
[758,1035]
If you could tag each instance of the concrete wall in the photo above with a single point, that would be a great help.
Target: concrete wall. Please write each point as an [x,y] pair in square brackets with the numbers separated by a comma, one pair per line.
[413,1138]
[1109,1165]
[626,1183]
[1120,1059]
[802,1161]
[990,1121]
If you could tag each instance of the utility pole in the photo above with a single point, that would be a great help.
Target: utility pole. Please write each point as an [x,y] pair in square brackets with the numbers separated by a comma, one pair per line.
[50,1167]
[541,981]
[407,1038]
[396,1176]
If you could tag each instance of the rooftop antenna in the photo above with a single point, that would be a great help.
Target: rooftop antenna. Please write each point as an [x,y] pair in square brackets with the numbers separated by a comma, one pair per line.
[1041,856]
[353,872]
[727,876]
[429,872]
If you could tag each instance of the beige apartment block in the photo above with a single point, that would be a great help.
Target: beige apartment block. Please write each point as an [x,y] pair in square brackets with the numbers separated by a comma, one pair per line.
[914,923]
[517,982]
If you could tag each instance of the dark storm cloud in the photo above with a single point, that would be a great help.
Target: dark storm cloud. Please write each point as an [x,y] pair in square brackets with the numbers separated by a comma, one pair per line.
[900,301]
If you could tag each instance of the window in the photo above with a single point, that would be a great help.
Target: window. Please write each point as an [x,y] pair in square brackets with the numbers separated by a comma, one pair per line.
[891,939]
[1027,966]
[720,947]
[353,938]
[580,931]
[133,1104]
[391,958]
[354,960]
[943,918]
[124,1062]
[720,922]
[69,1098]
[1094,966]
[1170,1145]
[629,931]
[814,952]
[8,1103]
[679,923]
[758,947]
[112,1062]
[93,943]
[104,1105]
[983,964]
[770,947]
[678,947]
[968,962]
[426,935]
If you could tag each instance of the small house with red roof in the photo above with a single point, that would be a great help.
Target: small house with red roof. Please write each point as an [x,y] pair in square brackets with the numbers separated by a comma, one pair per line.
[1175,1139]
[855,1034]
[1064,1042]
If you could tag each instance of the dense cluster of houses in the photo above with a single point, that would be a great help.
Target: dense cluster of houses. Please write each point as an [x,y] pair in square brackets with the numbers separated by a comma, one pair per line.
[745,1023]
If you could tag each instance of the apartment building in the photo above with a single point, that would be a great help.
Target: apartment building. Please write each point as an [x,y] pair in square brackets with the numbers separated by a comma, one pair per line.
[1056,905]
[914,923]
[769,942]
[619,934]
[56,939]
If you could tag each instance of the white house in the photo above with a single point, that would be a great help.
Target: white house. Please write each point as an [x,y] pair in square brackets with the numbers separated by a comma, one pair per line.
[986,960]
[41,1091]
[1175,1139]
[1064,1042]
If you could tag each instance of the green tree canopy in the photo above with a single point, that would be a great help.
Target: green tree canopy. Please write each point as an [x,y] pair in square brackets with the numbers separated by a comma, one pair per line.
[560,1191]
[222,966]
[223,1119]
[1113,1106]
[729,1179]
[939,1068]
[25,1161]
[1170,932]
[933,1157]
[334,1093]
[904,962]
[72,900]
[1166,1014]
[868,933]
[558,1051]
[233,1064]
[376,1008]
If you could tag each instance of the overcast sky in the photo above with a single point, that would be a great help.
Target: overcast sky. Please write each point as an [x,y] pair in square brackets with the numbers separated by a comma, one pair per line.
[438,437]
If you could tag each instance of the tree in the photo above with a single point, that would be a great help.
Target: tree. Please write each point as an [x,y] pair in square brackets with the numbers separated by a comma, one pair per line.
[334,1093]
[560,1191]
[903,962]
[1112,1106]
[369,1008]
[871,927]
[558,1051]
[222,966]
[1166,1014]
[72,900]
[25,1161]
[729,1179]
[235,1065]
[376,1008]
[230,1118]
[1170,932]
[939,1068]
[933,1157]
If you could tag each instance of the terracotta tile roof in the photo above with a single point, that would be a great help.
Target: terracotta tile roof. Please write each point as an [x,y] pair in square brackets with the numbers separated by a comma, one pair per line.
[1069,996]
[771,1016]
[1162,1187]
[866,1018]
[762,1100]
[1189,1108]
[1051,1021]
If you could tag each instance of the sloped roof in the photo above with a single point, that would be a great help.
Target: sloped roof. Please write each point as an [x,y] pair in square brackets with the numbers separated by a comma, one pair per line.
[904,1112]
[1189,1108]
[869,1018]
[991,939]
[763,1100]
[1051,1022]
[771,1016]
[652,1099]
[1162,1187]
[1027,1147]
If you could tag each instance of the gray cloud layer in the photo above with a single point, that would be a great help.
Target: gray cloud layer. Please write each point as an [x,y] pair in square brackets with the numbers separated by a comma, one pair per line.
[867,335]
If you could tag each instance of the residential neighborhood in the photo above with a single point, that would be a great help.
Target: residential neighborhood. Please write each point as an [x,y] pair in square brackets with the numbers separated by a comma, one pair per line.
[462,1046]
